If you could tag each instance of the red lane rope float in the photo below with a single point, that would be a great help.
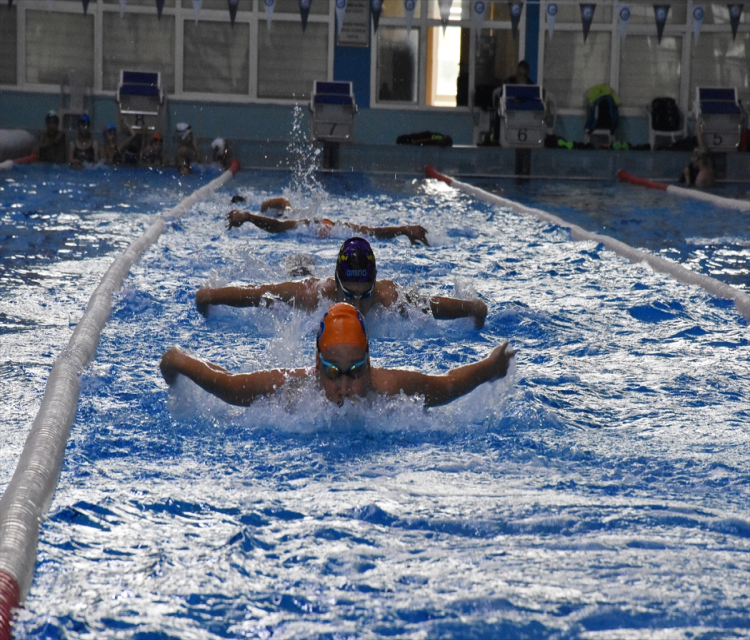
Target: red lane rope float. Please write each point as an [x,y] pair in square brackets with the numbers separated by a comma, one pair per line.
[9,598]
[30,491]
[657,263]
[627,177]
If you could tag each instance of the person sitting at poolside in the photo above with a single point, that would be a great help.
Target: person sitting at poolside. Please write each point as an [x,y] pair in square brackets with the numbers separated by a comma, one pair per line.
[354,281]
[414,232]
[222,153]
[152,154]
[342,369]
[188,151]
[84,148]
[51,145]
[112,152]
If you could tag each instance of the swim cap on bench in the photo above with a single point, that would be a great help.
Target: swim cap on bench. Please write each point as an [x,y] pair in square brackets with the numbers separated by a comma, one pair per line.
[343,324]
[356,261]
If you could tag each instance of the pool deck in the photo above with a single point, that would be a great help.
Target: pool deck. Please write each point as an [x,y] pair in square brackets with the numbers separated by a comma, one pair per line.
[581,164]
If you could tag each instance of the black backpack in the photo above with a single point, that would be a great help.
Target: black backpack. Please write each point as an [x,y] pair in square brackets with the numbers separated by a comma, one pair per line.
[665,114]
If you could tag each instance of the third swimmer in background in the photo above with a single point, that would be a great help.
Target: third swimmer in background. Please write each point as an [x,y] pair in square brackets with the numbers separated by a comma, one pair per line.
[354,282]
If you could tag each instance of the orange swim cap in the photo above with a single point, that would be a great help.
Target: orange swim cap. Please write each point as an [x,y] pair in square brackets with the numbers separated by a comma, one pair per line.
[343,324]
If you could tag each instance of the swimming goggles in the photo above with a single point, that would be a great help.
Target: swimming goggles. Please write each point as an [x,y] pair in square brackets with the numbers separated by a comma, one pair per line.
[333,372]
[349,295]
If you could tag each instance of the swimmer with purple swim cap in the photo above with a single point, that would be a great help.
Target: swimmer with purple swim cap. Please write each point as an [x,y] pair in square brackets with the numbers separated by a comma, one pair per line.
[354,282]
[342,369]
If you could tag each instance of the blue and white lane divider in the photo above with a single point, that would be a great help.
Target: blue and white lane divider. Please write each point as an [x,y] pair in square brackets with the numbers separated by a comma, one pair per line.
[29,493]
[681,274]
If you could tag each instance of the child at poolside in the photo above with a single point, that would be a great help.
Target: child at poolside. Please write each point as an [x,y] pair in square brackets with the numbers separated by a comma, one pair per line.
[342,369]
[354,281]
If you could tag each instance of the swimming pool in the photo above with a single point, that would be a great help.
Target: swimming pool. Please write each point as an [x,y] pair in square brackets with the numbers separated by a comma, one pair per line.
[599,492]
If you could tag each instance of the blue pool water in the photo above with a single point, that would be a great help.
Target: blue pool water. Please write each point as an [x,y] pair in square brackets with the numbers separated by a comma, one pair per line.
[599,491]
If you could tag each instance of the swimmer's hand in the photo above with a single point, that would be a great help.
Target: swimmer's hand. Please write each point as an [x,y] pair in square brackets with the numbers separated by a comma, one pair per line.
[170,364]
[235,218]
[416,234]
[479,311]
[499,360]
[238,198]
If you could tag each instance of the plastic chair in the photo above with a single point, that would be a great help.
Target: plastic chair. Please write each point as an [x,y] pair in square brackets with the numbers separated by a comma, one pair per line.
[523,116]
[718,117]
[671,135]
[333,110]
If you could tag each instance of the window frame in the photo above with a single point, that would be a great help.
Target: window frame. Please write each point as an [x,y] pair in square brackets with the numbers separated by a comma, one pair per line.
[422,23]
[254,16]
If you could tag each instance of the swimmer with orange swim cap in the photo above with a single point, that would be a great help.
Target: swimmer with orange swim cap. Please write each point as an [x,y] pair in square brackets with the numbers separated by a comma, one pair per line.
[237,218]
[342,369]
[354,281]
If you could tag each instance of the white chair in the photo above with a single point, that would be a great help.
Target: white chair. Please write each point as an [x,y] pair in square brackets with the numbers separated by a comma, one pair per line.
[333,110]
[718,117]
[523,116]
[75,98]
[656,131]
[140,99]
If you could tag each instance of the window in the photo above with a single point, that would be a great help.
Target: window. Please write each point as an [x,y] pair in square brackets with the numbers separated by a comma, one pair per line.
[8,47]
[217,57]
[398,65]
[649,70]
[57,42]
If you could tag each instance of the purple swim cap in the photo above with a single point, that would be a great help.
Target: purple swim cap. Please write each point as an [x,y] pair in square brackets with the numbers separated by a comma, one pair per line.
[356,261]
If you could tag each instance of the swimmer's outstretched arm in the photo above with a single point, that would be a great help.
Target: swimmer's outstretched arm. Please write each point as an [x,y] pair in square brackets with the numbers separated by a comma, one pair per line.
[303,295]
[414,232]
[235,388]
[236,218]
[439,390]
[452,308]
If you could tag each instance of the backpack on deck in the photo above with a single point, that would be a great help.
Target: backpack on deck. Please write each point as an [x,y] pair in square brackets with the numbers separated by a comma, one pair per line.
[665,114]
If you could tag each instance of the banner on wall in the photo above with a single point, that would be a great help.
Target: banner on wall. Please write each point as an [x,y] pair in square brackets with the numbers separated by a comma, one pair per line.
[445,11]
[551,15]
[409,6]
[516,9]
[660,15]
[232,9]
[355,31]
[340,13]
[269,6]
[587,16]
[304,11]
[624,16]
[735,11]
[159,8]
[479,9]
[376,6]
[698,13]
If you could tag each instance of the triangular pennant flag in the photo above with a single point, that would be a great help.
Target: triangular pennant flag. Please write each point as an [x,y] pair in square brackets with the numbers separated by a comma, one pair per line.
[660,14]
[122,8]
[445,11]
[304,11]
[624,16]
[551,15]
[10,4]
[197,9]
[340,13]
[735,11]
[409,6]
[698,13]
[269,5]
[479,9]
[159,8]
[85,6]
[516,8]
[587,15]
[376,6]
[232,10]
